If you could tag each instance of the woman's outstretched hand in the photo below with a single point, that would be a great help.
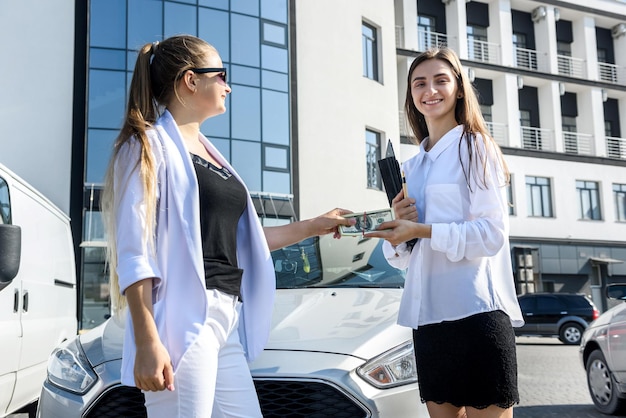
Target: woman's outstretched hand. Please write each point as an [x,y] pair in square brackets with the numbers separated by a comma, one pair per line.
[329,222]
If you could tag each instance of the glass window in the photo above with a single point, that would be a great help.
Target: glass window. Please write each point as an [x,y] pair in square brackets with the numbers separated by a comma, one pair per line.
[275,34]
[5,203]
[249,7]
[619,194]
[218,4]
[589,198]
[222,145]
[539,196]
[370,51]
[213,27]
[145,22]
[372,155]
[107,93]
[218,125]
[275,117]
[276,182]
[275,81]
[246,158]
[275,58]
[275,10]
[478,49]
[244,38]
[246,113]
[107,26]
[110,59]
[94,287]
[179,19]
[99,147]
[509,196]
[245,75]
[427,36]
[570,138]
[276,157]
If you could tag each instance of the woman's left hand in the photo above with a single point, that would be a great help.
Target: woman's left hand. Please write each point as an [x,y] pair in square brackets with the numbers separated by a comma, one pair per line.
[400,230]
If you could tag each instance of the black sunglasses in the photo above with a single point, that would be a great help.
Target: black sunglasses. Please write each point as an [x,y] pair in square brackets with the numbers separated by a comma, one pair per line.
[222,72]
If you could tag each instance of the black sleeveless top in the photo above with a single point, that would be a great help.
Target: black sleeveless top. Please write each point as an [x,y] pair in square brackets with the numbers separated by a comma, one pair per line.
[222,201]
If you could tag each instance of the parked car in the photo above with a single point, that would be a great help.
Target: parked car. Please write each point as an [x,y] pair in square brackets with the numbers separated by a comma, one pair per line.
[603,355]
[335,349]
[562,315]
[37,290]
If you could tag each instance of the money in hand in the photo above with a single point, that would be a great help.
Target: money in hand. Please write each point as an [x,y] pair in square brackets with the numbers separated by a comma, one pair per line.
[366,221]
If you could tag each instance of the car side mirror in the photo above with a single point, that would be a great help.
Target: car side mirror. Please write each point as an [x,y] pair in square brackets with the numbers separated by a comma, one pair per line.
[616,291]
[11,249]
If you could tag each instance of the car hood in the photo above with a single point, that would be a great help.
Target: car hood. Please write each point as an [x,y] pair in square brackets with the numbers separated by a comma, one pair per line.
[355,321]
[360,322]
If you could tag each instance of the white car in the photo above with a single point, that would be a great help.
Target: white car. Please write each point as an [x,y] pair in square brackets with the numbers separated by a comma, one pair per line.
[335,349]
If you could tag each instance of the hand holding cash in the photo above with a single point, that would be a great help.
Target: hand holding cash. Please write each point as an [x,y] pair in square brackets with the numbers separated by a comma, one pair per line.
[366,221]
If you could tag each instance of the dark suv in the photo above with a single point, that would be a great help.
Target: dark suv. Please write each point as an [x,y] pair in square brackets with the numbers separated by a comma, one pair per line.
[562,315]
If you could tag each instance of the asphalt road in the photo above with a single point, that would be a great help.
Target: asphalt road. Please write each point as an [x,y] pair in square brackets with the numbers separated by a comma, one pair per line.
[552,381]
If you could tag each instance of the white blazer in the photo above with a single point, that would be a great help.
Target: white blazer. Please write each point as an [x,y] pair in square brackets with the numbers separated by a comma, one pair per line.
[178,294]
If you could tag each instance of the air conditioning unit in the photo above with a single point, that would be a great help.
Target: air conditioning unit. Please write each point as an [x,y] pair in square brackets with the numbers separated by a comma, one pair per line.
[539,13]
[618,30]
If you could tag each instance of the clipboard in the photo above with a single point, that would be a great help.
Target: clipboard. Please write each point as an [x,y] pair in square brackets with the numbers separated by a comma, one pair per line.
[390,173]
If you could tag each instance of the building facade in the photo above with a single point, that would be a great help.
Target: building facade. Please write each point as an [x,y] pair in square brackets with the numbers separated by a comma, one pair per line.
[318,91]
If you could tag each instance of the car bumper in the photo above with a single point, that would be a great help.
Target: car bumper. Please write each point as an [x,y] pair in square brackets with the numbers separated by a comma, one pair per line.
[334,375]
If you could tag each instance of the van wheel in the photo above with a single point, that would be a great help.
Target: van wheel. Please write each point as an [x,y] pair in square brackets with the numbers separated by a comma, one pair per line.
[602,386]
[571,333]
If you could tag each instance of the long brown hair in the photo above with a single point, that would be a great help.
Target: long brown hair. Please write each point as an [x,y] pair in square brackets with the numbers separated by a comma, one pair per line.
[466,112]
[158,67]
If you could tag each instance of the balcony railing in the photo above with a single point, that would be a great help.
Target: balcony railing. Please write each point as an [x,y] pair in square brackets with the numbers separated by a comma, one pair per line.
[611,73]
[428,39]
[537,139]
[525,58]
[483,51]
[498,132]
[570,66]
[577,143]
[616,147]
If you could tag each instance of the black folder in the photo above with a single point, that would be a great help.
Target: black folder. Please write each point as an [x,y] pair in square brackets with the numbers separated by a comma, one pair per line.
[390,173]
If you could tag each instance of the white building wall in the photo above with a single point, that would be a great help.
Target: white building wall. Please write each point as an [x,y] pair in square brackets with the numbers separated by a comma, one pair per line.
[36,81]
[336,103]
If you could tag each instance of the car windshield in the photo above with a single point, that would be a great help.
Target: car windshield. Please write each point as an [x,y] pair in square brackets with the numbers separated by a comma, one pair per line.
[329,262]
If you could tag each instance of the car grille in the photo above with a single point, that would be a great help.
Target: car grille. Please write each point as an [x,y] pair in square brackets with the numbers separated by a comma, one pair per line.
[310,399]
[278,399]
[120,402]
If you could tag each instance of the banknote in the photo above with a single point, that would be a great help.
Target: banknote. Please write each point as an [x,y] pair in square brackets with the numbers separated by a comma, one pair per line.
[366,221]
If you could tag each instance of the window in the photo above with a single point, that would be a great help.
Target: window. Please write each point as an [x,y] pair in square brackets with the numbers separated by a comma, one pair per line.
[509,196]
[531,137]
[427,37]
[589,198]
[478,48]
[619,192]
[372,155]
[539,196]
[564,53]
[370,51]
[5,204]
[523,56]
[569,134]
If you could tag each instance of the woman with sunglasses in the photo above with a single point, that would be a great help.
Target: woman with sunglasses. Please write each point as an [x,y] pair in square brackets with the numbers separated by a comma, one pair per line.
[459,296]
[187,252]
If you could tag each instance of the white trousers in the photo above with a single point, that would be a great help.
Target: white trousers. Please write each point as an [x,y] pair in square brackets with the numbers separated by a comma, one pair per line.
[213,378]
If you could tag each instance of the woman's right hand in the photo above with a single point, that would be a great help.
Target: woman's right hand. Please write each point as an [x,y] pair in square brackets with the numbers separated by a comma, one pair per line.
[153,368]
[404,207]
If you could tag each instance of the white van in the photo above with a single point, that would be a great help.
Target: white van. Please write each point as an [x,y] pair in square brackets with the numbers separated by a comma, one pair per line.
[37,290]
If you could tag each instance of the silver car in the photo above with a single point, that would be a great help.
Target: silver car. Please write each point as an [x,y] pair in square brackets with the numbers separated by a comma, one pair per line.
[603,354]
[335,349]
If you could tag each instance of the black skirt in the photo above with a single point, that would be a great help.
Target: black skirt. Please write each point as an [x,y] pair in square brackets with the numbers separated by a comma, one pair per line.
[469,362]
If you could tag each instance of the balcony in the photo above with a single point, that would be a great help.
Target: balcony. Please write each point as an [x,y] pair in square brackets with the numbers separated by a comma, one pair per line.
[570,66]
[525,58]
[428,39]
[611,73]
[498,132]
[616,148]
[537,139]
[483,51]
[577,143]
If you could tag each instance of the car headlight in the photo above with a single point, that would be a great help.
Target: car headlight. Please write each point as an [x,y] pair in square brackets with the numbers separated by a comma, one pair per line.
[69,369]
[395,367]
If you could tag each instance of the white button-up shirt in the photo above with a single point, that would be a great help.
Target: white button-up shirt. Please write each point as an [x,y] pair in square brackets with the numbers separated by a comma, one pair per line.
[465,267]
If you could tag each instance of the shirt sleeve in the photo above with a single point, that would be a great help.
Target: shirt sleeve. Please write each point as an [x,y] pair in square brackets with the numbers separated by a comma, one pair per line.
[136,258]
[483,232]
[398,257]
